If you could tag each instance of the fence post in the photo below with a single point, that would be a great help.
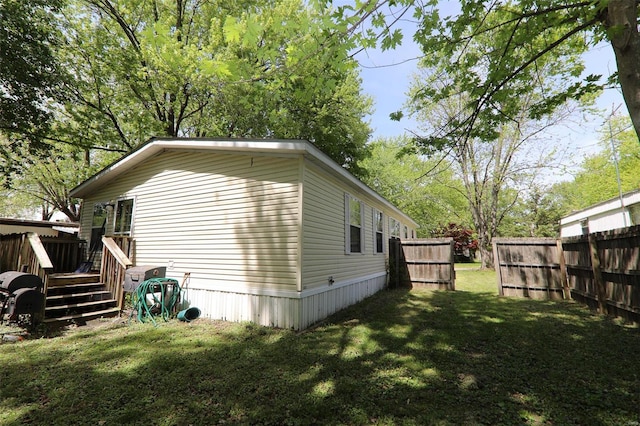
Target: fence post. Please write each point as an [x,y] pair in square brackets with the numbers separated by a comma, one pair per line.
[393,263]
[496,265]
[601,291]
[563,271]
[452,267]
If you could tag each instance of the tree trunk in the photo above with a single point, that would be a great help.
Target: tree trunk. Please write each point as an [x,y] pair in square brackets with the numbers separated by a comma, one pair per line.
[622,23]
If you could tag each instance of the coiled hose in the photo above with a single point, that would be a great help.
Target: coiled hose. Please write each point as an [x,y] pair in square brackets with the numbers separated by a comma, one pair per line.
[150,299]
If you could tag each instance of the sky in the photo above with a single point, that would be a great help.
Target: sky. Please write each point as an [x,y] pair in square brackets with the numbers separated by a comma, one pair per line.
[386,77]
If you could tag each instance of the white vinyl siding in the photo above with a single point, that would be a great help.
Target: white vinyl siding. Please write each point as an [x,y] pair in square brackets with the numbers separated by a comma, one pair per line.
[324,227]
[230,220]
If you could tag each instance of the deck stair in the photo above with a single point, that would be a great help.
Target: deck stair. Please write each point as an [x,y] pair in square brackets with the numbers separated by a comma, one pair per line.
[78,297]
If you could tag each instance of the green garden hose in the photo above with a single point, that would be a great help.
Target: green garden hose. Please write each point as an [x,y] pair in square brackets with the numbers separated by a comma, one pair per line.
[159,306]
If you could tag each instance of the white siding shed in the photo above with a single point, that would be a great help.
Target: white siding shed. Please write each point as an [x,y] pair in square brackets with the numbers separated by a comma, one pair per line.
[618,212]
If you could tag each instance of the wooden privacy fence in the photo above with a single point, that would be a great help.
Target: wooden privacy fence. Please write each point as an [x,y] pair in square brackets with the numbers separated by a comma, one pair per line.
[601,270]
[528,267]
[422,263]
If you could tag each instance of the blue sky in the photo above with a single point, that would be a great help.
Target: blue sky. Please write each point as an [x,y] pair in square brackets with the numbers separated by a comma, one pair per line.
[386,77]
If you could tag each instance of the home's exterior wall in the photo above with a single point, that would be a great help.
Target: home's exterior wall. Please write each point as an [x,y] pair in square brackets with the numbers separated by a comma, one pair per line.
[323,239]
[602,217]
[233,222]
[229,220]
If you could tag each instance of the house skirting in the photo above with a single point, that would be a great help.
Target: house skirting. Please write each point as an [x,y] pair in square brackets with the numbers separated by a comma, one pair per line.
[282,309]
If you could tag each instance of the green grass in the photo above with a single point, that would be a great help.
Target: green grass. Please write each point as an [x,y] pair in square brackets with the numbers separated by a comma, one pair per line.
[400,357]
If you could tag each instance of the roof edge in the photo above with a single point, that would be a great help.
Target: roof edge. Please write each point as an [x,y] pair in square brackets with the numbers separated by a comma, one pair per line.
[285,146]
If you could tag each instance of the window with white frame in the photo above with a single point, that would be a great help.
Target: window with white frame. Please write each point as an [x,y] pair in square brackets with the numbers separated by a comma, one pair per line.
[355,225]
[394,228]
[634,214]
[584,226]
[406,232]
[378,231]
[124,217]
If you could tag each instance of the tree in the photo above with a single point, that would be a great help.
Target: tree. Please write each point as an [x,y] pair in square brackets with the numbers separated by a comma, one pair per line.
[497,165]
[536,214]
[29,75]
[596,177]
[44,183]
[464,243]
[217,69]
[520,36]
[424,189]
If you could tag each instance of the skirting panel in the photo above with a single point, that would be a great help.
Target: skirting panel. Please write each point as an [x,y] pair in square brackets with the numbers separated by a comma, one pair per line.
[317,307]
[296,312]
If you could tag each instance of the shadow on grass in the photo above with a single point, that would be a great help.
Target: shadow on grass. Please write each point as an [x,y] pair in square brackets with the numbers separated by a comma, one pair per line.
[414,357]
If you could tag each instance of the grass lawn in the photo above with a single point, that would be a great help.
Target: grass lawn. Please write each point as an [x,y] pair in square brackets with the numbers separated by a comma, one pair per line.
[400,357]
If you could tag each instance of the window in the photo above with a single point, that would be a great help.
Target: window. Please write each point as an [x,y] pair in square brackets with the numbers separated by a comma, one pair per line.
[584,225]
[354,218]
[98,223]
[394,228]
[124,217]
[406,232]
[634,214]
[378,231]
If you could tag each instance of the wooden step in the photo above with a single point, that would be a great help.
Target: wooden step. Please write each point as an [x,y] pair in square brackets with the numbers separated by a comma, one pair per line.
[85,316]
[57,280]
[79,298]
[76,295]
[74,288]
[80,305]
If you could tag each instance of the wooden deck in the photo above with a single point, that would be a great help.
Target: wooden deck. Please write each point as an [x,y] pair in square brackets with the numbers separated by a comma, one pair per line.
[70,295]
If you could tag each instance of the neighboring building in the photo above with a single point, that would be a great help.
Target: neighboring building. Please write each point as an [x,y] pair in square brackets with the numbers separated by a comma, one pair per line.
[43,228]
[270,231]
[610,214]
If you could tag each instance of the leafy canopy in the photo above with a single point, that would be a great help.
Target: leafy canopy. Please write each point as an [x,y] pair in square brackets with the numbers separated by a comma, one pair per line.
[211,69]
[496,53]
[29,75]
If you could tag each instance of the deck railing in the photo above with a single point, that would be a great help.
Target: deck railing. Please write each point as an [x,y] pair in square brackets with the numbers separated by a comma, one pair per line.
[35,260]
[66,254]
[115,261]
[10,249]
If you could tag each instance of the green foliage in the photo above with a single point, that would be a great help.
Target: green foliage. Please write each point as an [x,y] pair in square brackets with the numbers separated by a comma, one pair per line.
[218,69]
[29,74]
[43,183]
[536,214]
[595,179]
[496,54]
[423,188]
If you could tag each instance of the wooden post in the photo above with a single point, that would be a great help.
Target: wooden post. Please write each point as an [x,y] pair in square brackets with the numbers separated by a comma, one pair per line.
[496,265]
[452,269]
[601,291]
[564,281]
